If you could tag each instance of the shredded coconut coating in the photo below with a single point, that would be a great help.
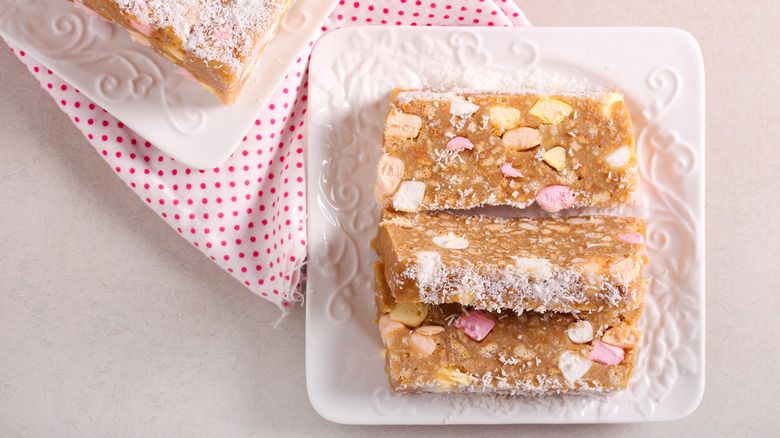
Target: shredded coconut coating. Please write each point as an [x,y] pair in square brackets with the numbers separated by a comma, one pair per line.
[214,30]
[524,354]
[560,264]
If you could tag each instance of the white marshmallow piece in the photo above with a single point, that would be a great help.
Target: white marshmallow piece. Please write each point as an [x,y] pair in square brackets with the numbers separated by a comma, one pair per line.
[451,241]
[619,158]
[573,366]
[580,332]
[625,270]
[409,196]
[401,126]
[389,172]
[421,344]
[387,325]
[462,108]
[537,269]
[427,264]
[609,99]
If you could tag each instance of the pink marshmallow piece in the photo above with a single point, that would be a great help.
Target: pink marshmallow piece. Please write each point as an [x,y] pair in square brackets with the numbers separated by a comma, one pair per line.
[459,144]
[510,172]
[475,325]
[555,198]
[88,11]
[221,35]
[635,238]
[145,29]
[186,73]
[606,353]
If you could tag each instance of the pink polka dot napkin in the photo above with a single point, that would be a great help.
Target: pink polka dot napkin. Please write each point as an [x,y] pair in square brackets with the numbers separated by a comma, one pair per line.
[249,214]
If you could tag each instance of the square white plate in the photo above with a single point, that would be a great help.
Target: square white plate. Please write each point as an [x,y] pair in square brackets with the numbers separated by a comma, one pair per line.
[354,70]
[145,91]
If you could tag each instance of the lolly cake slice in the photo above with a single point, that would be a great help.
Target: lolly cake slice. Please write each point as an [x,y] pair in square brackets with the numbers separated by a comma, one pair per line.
[561,264]
[452,348]
[450,150]
[215,43]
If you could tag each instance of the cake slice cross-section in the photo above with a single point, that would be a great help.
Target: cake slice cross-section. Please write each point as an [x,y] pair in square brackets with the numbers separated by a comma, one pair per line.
[566,264]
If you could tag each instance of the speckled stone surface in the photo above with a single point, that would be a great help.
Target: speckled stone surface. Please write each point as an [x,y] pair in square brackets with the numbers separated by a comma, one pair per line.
[165,343]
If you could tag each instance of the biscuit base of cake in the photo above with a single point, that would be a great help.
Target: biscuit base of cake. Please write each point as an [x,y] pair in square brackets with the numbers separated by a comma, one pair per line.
[583,263]
[452,348]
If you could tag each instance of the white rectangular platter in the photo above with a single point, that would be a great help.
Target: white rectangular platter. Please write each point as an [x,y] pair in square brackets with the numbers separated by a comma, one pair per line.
[353,72]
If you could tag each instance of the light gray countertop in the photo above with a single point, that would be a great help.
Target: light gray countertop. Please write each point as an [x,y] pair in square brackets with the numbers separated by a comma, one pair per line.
[112,325]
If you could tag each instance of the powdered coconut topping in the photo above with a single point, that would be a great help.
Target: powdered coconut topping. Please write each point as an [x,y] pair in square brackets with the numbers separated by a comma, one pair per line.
[472,79]
[215,30]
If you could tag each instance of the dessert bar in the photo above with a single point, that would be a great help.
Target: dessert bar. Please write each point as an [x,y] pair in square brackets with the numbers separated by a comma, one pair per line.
[447,150]
[215,43]
[452,348]
[561,264]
